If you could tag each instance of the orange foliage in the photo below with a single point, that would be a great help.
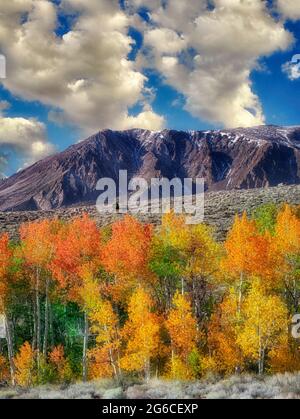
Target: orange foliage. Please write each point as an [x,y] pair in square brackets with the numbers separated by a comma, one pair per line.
[38,242]
[100,365]
[126,255]
[246,249]
[4,370]
[78,249]
[25,364]
[223,329]
[5,260]
[61,365]
[285,357]
[248,254]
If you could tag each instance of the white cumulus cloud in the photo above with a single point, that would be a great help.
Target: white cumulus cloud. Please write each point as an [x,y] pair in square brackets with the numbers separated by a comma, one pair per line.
[22,138]
[292,68]
[207,51]
[289,8]
[208,54]
[84,74]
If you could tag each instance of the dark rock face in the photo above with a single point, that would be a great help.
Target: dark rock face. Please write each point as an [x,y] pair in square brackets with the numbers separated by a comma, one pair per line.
[229,159]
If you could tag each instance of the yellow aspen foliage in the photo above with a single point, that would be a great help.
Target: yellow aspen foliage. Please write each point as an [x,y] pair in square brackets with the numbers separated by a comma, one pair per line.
[266,321]
[286,255]
[90,289]
[195,242]
[248,254]
[182,327]
[24,363]
[287,231]
[141,334]
[202,257]
[104,359]
[189,254]
[175,230]
[225,355]
[203,252]
[178,369]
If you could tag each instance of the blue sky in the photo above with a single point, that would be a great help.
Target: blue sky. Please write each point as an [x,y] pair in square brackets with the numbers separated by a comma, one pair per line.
[149,67]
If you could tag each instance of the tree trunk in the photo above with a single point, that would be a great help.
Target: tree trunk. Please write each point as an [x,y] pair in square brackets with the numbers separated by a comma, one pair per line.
[10,350]
[51,328]
[38,313]
[262,362]
[34,341]
[147,370]
[85,348]
[119,364]
[46,331]
[113,364]
[111,357]
[241,293]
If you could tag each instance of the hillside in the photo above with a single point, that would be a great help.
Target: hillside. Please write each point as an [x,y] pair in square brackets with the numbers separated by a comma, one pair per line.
[220,208]
[259,157]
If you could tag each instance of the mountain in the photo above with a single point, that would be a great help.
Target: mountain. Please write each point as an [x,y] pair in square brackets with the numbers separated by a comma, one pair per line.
[227,159]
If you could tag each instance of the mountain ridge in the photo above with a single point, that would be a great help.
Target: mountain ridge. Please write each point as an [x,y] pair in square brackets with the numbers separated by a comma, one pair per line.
[241,158]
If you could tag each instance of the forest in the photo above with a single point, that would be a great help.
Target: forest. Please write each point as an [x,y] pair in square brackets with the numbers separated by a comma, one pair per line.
[134,300]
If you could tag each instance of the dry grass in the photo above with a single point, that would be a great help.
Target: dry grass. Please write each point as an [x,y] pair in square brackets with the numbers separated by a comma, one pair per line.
[285,386]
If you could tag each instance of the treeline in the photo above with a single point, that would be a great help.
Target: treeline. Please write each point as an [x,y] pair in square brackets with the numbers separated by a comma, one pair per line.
[135,300]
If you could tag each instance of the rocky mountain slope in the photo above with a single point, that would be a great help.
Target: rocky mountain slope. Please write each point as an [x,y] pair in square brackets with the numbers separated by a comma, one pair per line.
[228,159]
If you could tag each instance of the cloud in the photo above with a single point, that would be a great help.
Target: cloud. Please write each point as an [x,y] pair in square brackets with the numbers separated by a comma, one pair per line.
[138,4]
[292,69]
[84,74]
[165,40]
[208,54]
[144,120]
[22,138]
[289,8]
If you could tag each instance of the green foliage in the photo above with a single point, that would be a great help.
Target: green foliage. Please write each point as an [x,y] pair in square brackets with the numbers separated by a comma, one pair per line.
[265,217]
[166,261]
[194,360]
